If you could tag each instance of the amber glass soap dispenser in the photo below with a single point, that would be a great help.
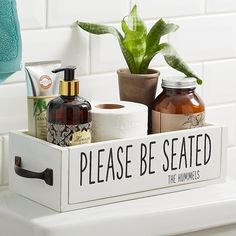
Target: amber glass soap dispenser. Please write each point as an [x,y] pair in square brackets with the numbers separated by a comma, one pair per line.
[68,116]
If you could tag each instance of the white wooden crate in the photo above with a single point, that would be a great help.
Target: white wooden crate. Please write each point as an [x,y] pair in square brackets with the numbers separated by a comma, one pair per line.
[117,170]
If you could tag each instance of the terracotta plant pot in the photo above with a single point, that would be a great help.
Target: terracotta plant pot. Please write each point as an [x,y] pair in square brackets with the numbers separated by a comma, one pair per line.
[139,88]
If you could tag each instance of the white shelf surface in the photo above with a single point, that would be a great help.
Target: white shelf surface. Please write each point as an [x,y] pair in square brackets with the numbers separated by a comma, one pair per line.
[167,214]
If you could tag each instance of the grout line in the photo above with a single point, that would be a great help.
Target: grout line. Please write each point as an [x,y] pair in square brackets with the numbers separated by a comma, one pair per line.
[90,54]
[231,146]
[13,83]
[203,78]
[184,17]
[219,60]
[156,66]
[4,155]
[47,28]
[221,13]
[74,25]
[164,66]
[4,134]
[99,73]
[145,19]
[113,71]
[211,60]
[31,29]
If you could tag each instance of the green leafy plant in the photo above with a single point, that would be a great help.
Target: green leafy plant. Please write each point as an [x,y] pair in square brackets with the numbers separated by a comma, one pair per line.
[139,46]
[40,106]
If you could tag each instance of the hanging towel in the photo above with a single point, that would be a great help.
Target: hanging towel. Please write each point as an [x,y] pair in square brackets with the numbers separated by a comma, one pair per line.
[10,39]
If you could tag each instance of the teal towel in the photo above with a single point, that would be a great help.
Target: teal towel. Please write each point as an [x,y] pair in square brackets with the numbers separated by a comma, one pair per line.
[10,39]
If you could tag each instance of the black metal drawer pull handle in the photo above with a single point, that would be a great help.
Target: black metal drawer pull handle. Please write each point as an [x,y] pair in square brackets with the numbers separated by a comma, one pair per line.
[46,175]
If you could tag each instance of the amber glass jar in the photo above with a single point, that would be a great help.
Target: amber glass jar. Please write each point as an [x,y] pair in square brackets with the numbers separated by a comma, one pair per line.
[178,106]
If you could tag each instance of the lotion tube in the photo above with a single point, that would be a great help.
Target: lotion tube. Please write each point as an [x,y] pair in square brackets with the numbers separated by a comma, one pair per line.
[42,87]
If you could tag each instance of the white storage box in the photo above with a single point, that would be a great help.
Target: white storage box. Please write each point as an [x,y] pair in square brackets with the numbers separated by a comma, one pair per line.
[94,174]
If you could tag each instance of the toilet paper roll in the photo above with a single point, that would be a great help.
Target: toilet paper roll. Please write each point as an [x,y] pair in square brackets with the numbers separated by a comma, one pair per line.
[118,120]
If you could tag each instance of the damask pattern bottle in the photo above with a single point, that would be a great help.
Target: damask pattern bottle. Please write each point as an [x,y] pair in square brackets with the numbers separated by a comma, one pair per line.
[68,116]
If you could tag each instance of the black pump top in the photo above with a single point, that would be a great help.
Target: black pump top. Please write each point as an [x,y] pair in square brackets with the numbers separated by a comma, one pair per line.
[69,72]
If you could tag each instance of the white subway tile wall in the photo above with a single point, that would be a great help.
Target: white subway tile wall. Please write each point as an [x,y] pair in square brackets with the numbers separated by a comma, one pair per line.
[218,74]
[224,114]
[102,87]
[5,150]
[13,115]
[32,14]
[168,71]
[105,54]
[203,38]
[166,8]
[206,40]
[218,6]
[69,44]
[65,13]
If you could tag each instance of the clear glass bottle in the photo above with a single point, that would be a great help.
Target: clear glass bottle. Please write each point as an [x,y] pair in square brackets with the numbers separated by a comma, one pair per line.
[178,106]
[68,116]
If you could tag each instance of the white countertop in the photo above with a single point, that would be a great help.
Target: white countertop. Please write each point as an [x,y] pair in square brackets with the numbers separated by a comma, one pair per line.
[166,214]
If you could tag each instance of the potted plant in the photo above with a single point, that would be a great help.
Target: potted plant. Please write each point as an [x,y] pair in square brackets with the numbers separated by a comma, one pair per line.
[138,82]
